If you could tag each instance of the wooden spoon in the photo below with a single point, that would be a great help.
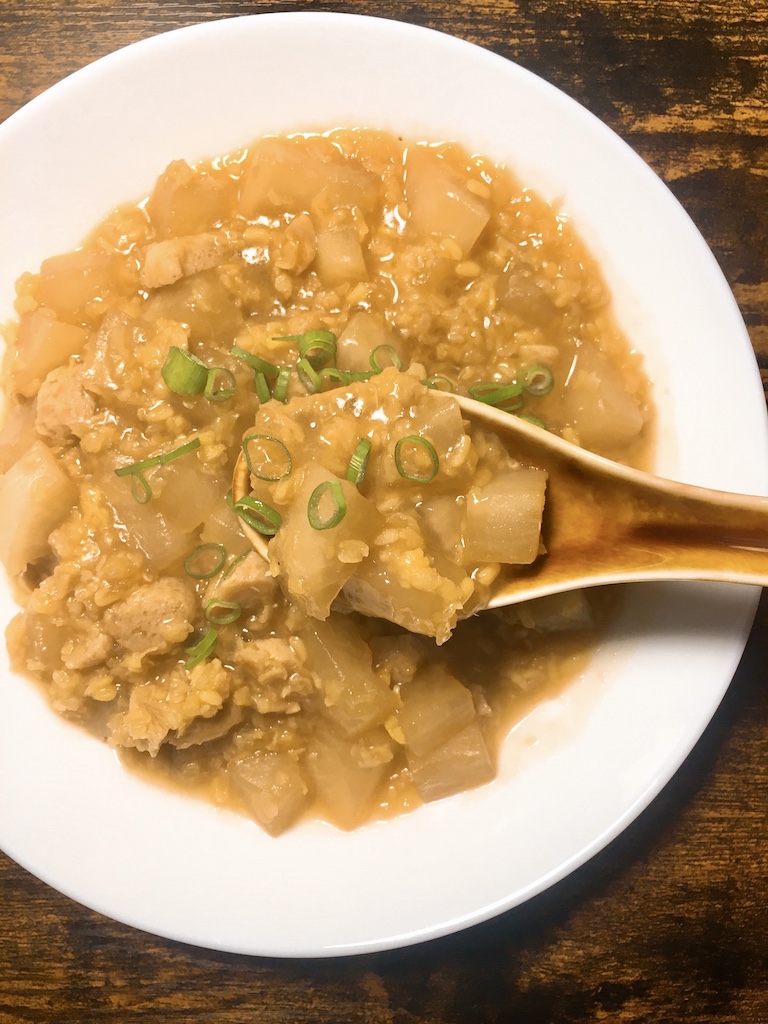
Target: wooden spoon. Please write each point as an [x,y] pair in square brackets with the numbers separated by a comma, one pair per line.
[607,523]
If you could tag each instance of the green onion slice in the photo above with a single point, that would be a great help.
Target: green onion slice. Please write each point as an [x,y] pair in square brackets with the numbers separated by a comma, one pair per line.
[439,383]
[140,488]
[262,365]
[184,373]
[206,561]
[394,358]
[338,510]
[318,348]
[538,380]
[220,384]
[333,374]
[415,442]
[533,419]
[221,613]
[354,375]
[280,390]
[273,455]
[200,651]
[235,561]
[358,462]
[502,396]
[308,375]
[262,387]
[258,515]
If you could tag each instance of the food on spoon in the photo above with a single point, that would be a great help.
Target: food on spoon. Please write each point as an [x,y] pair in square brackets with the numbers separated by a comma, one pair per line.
[241,296]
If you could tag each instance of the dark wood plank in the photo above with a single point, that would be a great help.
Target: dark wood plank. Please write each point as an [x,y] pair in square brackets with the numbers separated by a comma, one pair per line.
[669,923]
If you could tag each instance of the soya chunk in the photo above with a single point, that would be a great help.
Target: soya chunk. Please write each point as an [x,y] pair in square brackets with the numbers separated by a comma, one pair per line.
[315,564]
[155,617]
[504,518]
[169,260]
[36,496]
[64,407]
[441,205]
[272,786]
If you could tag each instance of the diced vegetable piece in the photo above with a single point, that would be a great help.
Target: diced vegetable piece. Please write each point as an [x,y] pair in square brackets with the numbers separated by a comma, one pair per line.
[598,406]
[186,496]
[272,786]
[440,203]
[204,303]
[458,764]
[442,519]
[439,418]
[314,564]
[68,283]
[160,542]
[356,698]
[364,333]
[339,257]
[283,176]
[435,707]
[36,496]
[504,518]
[35,642]
[222,526]
[184,201]
[17,434]
[344,787]
[43,344]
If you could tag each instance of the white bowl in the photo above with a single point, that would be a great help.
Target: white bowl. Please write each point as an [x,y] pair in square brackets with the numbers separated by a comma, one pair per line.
[580,768]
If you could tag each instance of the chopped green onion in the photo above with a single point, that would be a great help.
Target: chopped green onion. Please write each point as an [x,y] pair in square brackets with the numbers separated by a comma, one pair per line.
[502,396]
[338,508]
[318,348]
[538,380]
[184,373]
[221,613]
[201,555]
[282,454]
[200,651]
[220,384]
[358,462]
[258,515]
[140,488]
[533,419]
[333,374]
[354,375]
[142,492]
[308,375]
[439,383]
[262,387]
[417,442]
[262,365]
[280,390]
[235,561]
[394,357]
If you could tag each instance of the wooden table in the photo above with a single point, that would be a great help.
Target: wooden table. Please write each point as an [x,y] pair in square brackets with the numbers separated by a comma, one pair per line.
[670,923]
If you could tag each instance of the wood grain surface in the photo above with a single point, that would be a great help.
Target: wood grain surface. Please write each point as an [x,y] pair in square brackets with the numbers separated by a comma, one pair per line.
[670,923]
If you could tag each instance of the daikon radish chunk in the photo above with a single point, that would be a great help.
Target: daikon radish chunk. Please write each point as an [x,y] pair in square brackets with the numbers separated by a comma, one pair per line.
[364,333]
[186,495]
[435,707]
[314,564]
[36,496]
[43,344]
[442,519]
[598,405]
[68,283]
[504,518]
[460,763]
[222,526]
[355,697]
[184,201]
[282,176]
[17,434]
[272,786]
[202,302]
[344,787]
[440,203]
[146,528]
[339,257]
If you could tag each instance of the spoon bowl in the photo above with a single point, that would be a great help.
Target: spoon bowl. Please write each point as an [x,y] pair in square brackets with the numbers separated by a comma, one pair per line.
[608,523]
